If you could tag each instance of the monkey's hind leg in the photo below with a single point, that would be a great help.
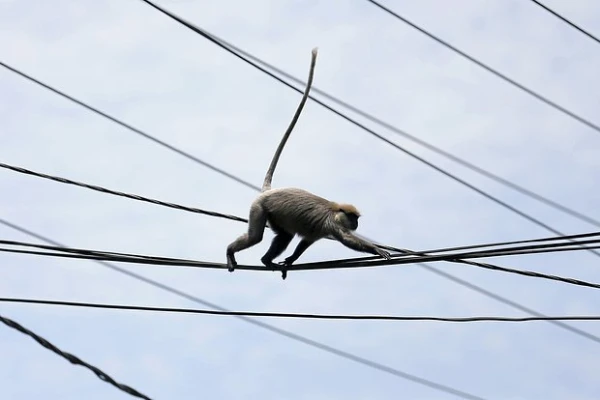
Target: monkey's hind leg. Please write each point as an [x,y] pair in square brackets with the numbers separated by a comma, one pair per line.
[256,227]
[301,248]
[280,242]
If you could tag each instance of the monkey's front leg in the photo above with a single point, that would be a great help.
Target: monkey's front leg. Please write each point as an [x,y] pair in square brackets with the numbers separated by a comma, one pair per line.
[355,243]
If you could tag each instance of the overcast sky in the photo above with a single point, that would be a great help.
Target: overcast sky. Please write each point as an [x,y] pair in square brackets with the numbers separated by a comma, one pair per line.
[133,62]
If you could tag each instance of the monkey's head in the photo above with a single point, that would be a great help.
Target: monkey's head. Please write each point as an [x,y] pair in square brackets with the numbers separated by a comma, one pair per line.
[347,215]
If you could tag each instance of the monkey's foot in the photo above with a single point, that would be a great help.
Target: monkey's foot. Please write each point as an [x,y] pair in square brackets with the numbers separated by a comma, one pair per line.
[231,264]
[275,267]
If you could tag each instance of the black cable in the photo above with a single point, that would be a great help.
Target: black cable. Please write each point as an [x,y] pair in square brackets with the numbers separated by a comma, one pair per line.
[122,194]
[572,24]
[500,75]
[290,335]
[496,200]
[415,139]
[476,246]
[298,315]
[345,263]
[72,358]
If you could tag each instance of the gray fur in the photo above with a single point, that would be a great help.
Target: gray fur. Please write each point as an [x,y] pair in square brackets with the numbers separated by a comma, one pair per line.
[269,175]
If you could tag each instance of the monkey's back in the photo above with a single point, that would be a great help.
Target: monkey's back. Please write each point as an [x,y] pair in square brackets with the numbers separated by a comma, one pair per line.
[297,211]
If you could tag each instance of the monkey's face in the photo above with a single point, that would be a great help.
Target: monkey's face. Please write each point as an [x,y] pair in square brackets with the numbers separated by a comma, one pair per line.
[348,220]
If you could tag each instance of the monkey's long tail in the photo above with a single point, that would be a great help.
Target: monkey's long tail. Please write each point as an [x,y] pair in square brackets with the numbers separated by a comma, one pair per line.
[269,176]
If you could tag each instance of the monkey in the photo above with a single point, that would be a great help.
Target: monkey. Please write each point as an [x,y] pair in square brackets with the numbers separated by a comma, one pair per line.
[293,211]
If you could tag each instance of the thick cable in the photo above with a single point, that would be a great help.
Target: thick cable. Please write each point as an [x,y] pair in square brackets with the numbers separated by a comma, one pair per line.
[103,376]
[122,194]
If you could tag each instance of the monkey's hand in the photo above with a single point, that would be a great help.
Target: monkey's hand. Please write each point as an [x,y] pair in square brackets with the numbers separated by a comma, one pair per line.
[383,253]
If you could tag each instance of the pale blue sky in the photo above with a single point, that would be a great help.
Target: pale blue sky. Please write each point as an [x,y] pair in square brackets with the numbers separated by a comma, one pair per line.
[140,66]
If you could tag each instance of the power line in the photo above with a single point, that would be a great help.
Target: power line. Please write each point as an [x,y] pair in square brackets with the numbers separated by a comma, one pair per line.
[346,263]
[500,75]
[72,358]
[290,335]
[415,139]
[496,200]
[572,24]
[298,315]
[431,269]
[122,194]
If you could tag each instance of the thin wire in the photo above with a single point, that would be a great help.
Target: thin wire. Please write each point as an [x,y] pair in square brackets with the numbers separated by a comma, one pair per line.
[415,139]
[212,39]
[72,358]
[122,194]
[130,127]
[298,315]
[572,24]
[279,331]
[347,263]
[500,75]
